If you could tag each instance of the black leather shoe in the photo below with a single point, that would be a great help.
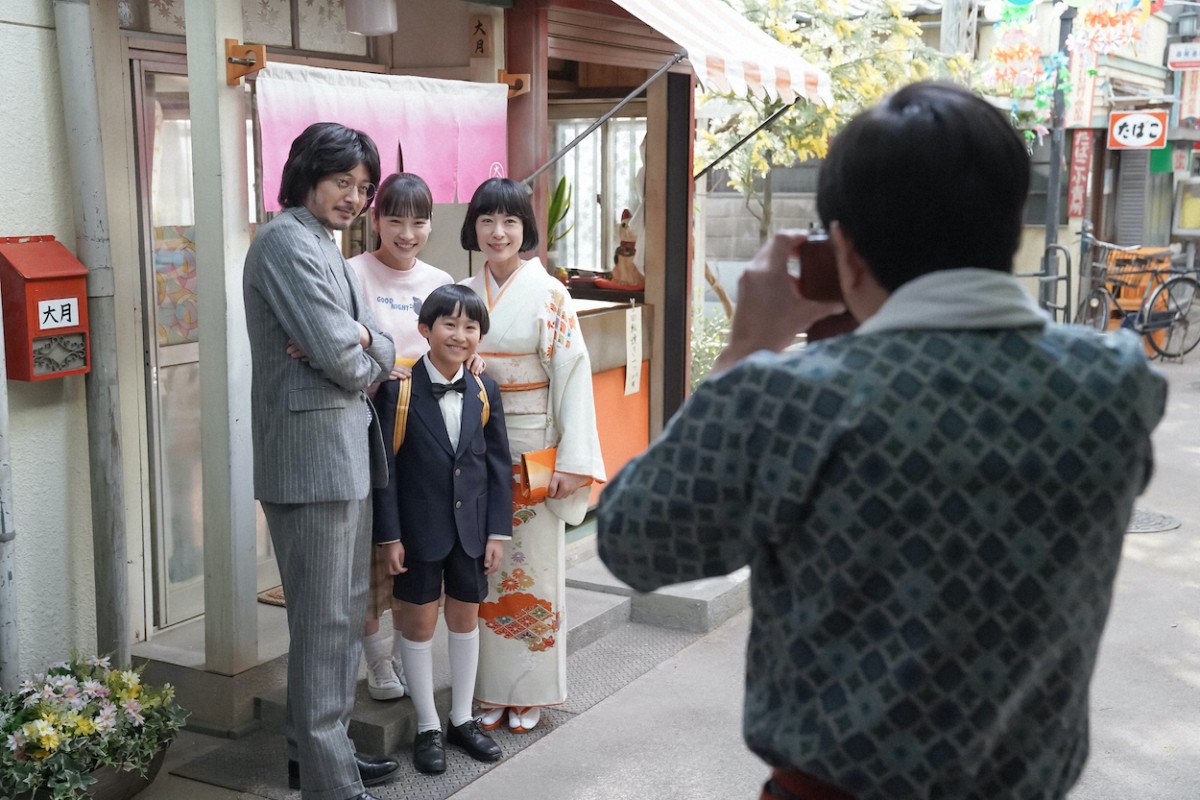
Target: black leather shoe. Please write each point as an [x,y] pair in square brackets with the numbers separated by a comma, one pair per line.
[469,737]
[372,770]
[364,796]
[429,754]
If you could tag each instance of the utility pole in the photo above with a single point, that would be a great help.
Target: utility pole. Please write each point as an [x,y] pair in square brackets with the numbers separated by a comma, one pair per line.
[1048,292]
[10,652]
[77,65]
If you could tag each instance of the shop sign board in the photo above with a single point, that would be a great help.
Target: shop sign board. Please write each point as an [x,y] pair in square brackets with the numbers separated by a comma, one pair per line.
[1137,130]
[1183,56]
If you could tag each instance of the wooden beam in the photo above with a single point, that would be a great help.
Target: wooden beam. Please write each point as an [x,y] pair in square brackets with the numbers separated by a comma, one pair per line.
[525,50]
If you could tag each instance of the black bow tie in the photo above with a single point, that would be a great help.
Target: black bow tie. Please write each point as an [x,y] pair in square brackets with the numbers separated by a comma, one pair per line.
[440,389]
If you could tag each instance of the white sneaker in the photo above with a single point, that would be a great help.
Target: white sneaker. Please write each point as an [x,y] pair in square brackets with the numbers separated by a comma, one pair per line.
[383,682]
[398,668]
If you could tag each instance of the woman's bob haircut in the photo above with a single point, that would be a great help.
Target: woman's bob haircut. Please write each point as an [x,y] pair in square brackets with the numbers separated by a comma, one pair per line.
[500,196]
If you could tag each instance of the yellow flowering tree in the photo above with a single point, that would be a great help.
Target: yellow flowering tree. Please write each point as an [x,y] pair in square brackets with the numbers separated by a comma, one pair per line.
[868,47]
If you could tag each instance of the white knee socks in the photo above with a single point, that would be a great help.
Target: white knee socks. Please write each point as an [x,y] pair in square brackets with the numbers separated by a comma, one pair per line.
[418,666]
[464,662]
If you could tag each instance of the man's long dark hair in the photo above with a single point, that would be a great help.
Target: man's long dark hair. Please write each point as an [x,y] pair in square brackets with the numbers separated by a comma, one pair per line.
[325,148]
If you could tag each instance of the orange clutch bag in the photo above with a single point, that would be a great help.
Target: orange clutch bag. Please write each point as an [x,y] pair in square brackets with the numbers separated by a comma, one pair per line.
[537,467]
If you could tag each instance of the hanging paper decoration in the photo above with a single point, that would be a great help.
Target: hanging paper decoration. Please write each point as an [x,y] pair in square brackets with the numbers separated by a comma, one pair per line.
[1104,27]
[1017,67]
[1015,64]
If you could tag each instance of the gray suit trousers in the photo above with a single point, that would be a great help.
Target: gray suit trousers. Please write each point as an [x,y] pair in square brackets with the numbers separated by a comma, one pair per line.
[323,550]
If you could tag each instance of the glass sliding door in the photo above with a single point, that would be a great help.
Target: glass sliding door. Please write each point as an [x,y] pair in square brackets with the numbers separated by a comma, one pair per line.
[173,327]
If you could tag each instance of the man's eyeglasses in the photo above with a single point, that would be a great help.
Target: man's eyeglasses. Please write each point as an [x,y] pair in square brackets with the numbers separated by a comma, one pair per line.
[367,190]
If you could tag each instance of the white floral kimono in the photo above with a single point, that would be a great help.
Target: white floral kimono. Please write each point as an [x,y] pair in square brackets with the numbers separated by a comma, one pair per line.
[535,351]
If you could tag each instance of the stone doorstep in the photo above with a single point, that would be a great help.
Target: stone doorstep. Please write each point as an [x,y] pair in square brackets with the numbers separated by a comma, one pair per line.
[597,603]
[387,726]
[696,606]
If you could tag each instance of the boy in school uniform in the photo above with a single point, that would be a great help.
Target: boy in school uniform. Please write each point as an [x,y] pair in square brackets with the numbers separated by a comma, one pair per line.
[445,514]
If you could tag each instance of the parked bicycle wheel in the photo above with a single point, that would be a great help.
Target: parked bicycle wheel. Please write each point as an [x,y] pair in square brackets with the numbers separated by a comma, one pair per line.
[1172,324]
[1096,309]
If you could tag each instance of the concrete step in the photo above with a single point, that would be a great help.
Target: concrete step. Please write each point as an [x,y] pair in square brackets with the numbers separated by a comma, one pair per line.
[597,604]
[696,606]
[390,725]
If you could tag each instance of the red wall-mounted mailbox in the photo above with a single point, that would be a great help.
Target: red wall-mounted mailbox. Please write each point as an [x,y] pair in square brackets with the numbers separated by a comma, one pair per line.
[45,309]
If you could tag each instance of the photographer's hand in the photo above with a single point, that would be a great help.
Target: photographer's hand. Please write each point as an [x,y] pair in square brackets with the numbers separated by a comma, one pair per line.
[770,310]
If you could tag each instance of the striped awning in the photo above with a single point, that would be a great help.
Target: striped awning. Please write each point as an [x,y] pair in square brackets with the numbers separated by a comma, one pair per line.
[730,53]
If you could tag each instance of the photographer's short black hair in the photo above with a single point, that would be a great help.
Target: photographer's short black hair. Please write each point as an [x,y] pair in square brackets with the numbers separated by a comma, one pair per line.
[453,300]
[403,194]
[501,196]
[932,178]
[325,148]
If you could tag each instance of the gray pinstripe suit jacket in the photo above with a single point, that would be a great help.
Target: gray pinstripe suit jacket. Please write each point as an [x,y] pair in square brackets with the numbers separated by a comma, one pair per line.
[310,420]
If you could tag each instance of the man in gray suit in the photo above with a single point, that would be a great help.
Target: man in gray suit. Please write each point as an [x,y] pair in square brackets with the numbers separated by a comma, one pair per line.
[315,347]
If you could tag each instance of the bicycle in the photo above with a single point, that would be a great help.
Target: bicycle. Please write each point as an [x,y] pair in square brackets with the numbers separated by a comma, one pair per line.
[1141,289]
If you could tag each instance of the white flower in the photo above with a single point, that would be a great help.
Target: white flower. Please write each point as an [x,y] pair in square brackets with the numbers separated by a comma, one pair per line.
[96,661]
[94,688]
[106,720]
[38,728]
[16,740]
[133,710]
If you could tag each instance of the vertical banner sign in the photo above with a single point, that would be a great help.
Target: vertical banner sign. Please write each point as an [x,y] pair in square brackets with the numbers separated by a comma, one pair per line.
[633,350]
[481,36]
[1083,91]
[1081,168]
[1189,95]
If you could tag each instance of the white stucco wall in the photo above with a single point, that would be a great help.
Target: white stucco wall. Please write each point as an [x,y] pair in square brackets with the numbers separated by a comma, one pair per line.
[47,420]
[48,433]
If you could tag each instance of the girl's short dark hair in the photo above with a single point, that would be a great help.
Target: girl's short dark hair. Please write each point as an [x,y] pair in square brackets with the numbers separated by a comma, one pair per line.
[403,194]
[325,148]
[501,196]
[452,300]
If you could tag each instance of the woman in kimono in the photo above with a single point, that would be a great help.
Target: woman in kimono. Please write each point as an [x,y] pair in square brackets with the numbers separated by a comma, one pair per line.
[535,351]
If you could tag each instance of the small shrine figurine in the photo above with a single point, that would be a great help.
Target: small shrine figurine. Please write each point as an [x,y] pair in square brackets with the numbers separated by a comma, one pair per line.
[625,274]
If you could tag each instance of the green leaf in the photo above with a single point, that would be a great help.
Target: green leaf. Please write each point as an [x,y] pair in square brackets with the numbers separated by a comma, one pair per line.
[556,212]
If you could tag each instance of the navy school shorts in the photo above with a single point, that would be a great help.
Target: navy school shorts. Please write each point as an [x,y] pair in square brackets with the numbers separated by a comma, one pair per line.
[461,575]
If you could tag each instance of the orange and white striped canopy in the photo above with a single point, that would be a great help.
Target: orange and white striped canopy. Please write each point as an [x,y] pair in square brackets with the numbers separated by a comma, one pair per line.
[730,53]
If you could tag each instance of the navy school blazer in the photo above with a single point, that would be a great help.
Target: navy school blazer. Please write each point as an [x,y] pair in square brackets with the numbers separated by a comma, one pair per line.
[435,496]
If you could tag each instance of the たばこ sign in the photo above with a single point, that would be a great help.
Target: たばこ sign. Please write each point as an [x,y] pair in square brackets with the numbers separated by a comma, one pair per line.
[1145,130]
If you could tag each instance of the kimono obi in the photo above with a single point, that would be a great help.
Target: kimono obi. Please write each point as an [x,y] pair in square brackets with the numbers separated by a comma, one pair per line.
[522,380]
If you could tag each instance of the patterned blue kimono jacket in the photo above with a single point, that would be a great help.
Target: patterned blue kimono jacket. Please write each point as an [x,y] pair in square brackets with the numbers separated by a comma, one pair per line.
[933,510]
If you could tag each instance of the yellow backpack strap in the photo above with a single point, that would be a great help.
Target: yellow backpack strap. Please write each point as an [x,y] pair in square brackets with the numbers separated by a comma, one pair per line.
[403,397]
[486,412]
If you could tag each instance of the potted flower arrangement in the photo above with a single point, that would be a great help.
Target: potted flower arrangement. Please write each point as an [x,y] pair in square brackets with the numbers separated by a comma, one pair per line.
[81,725]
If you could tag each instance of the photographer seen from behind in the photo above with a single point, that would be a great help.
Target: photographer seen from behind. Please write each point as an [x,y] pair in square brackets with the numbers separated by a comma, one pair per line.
[932,506]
